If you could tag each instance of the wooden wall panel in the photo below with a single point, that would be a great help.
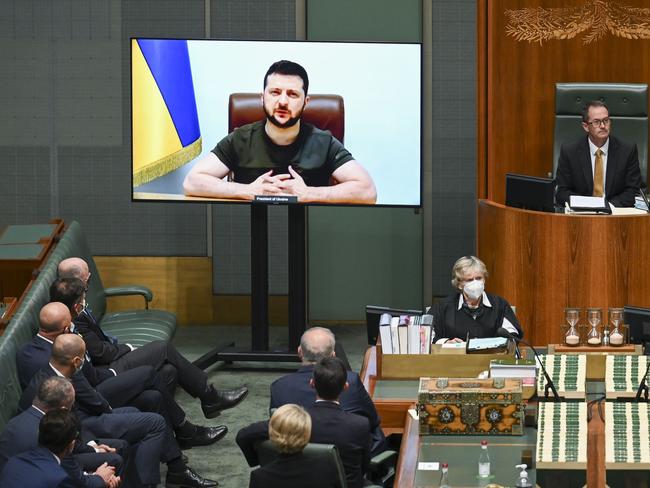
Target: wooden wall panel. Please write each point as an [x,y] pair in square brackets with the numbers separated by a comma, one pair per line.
[543,262]
[516,96]
[182,285]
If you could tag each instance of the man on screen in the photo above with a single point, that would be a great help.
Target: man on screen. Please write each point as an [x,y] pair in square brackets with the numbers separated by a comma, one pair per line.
[598,165]
[282,155]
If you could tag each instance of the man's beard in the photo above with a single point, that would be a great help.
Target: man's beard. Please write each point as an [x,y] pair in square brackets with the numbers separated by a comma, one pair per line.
[283,125]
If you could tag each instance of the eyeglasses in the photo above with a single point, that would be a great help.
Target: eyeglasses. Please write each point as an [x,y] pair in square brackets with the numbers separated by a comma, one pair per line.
[599,122]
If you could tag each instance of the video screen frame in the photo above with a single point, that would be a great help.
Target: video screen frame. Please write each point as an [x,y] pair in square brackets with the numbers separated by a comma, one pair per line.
[384,103]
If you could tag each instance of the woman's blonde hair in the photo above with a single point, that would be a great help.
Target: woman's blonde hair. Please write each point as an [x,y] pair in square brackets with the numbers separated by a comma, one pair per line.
[290,428]
[464,264]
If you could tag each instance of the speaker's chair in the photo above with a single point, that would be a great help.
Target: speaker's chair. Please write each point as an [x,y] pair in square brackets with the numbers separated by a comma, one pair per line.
[323,111]
[628,109]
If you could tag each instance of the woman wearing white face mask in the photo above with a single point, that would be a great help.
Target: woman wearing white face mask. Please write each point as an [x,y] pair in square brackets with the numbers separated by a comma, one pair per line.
[470,311]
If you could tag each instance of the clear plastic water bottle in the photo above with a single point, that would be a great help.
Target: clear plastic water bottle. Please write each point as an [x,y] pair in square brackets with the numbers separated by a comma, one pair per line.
[444,477]
[484,461]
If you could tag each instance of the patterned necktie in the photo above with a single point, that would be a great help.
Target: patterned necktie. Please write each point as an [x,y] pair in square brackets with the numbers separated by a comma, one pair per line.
[598,175]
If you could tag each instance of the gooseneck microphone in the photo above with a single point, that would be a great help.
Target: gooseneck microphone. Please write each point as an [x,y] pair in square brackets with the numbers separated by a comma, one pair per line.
[502,332]
[643,386]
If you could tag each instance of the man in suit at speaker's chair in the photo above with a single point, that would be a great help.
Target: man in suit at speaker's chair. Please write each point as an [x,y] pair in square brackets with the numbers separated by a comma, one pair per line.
[599,164]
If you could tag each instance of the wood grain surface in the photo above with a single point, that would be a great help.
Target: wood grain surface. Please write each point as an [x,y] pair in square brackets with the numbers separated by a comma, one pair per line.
[543,262]
[516,86]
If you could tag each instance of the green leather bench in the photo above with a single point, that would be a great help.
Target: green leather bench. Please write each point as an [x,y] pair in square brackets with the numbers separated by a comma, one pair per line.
[136,327]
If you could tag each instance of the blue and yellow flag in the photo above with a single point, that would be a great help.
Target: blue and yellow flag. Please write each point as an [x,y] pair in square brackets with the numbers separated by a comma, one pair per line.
[166,132]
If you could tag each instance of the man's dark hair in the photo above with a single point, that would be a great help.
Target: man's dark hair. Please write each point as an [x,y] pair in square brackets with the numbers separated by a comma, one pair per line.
[329,378]
[57,429]
[67,291]
[285,67]
[592,103]
[54,392]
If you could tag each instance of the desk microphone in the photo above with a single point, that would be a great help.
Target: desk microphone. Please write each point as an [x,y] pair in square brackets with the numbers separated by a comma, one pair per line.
[643,386]
[502,332]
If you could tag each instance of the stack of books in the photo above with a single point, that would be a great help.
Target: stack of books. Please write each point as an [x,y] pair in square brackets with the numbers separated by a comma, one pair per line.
[406,334]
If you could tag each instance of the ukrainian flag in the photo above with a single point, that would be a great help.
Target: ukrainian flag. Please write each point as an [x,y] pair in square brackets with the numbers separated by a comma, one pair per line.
[166,132]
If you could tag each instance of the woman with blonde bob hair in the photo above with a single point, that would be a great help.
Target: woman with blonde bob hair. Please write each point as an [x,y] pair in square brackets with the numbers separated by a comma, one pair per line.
[290,428]
[290,431]
[470,311]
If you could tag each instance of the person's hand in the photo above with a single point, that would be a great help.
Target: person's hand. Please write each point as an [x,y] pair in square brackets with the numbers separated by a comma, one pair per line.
[292,184]
[265,184]
[106,473]
[104,448]
[454,340]
[114,482]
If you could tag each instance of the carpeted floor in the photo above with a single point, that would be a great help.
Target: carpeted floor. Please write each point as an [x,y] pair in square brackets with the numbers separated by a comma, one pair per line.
[223,461]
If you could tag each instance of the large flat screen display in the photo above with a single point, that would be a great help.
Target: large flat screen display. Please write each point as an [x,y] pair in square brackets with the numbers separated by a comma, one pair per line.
[319,123]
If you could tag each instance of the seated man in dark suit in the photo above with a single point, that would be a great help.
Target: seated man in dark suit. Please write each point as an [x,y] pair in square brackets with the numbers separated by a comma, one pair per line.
[289,431]
[21,435]
[315,344]
[41,466]
[148,433]
[331,424]
[139,387]
[599,164]
[106,351]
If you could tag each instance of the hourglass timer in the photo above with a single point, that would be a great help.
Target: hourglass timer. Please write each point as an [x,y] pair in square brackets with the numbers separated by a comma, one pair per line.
[572,316]
[594,317]
[616,337]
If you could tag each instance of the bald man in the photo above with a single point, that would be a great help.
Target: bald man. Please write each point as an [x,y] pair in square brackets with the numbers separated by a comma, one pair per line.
[105,350]
[139,387]
[152,437]
[315,344]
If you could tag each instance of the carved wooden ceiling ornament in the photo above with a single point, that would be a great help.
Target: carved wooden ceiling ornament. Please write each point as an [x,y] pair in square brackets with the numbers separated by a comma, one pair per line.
[595,19]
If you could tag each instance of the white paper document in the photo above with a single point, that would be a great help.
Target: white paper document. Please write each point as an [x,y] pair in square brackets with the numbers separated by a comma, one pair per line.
[578,201]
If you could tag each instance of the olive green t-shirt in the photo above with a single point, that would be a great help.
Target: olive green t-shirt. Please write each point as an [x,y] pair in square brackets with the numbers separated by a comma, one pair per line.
[249,152]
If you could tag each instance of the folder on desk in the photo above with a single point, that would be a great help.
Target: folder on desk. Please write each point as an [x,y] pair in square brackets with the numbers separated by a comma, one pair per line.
[402,331]
[384,333]
[414,334]
[394,336]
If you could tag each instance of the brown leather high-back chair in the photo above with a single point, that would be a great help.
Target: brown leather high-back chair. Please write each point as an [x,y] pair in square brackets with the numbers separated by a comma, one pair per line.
[323,111]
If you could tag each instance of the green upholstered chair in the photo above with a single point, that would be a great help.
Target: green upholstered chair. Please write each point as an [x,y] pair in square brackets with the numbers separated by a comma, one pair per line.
[136,327]
[324,453]
[381,469]
[628,108]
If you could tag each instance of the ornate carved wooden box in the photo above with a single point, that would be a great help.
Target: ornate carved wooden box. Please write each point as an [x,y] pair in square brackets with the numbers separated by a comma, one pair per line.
[471,406]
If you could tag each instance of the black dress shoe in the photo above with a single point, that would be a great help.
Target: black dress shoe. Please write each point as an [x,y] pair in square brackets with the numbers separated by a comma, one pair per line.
[188,479]
[202,436]
[214,401]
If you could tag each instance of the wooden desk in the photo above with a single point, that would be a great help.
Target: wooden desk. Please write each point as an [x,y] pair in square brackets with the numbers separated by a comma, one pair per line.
[393,398]
[461,453]
[23,249]
[544,262]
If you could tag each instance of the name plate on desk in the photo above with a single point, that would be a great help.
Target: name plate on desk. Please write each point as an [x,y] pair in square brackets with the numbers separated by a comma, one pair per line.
[471,406]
